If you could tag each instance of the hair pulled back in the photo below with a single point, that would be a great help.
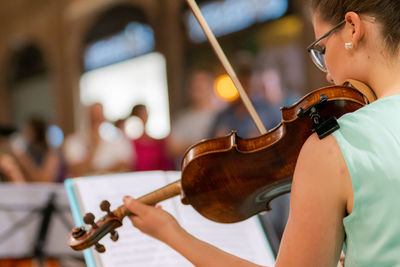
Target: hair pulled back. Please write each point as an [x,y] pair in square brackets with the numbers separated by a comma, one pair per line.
[387,12]
[39,130]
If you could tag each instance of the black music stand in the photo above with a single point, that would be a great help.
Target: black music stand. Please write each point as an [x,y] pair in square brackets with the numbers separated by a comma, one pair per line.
[36,220]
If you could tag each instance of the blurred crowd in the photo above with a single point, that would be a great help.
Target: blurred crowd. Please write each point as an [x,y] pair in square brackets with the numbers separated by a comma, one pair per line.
[29,155]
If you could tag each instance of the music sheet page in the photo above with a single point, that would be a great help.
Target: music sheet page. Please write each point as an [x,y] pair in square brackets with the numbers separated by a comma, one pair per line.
[133,248]
[245,239]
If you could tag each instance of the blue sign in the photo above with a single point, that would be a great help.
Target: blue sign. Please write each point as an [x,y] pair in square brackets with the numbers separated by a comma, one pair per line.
[229,16]
[136,39]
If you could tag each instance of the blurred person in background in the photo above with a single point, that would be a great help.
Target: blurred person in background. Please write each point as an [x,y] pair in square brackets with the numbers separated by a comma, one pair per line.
[274,93]
[9,170]
[193,123]
[236,117]
[151,154]
[272,85]
[38,160]
[120,124]
[87,152]
[280,75]
[275,90]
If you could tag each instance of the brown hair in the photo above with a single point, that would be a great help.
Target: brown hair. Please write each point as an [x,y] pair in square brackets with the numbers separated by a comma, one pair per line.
[39,130]
[385,11]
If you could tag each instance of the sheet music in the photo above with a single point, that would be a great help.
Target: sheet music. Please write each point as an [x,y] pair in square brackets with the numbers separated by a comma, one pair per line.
[133,248]
[244,239]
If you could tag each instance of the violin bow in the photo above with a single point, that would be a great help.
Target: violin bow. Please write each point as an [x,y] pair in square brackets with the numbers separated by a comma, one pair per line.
[226,64]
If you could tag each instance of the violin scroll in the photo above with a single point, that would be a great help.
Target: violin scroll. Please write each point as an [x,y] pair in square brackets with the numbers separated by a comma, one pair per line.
[89,234]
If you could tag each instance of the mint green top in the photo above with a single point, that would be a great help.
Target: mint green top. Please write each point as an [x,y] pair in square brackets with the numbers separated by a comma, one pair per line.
[370,143]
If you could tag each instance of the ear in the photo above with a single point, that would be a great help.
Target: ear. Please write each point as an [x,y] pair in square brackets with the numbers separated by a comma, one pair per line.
[354,28]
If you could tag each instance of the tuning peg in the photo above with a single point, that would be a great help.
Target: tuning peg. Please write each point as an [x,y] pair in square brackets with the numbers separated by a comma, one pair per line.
[100,248]
[89,219]
[114,235]
[78,232]
[105,206]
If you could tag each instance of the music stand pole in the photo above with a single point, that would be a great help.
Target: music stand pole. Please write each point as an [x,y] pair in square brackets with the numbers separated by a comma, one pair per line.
[40,242]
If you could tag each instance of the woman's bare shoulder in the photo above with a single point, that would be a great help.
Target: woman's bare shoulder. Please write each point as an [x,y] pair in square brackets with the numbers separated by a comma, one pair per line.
[314,233]
[321,164]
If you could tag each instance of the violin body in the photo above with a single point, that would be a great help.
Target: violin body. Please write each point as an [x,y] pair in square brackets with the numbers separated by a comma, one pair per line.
[230,179]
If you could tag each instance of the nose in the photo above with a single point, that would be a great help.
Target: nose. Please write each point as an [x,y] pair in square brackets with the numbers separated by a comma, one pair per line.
[329,78]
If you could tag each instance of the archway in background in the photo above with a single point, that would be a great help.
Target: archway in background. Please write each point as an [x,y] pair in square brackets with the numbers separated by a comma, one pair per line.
[122,68]
[30,91]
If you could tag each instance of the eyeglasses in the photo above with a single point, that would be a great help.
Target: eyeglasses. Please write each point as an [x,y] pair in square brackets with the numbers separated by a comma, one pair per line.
[317,52]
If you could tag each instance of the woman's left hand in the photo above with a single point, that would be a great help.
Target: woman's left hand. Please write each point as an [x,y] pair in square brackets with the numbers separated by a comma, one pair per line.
[153,221]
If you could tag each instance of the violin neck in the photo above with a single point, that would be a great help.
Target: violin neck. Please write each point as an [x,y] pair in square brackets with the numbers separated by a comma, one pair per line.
[166,192]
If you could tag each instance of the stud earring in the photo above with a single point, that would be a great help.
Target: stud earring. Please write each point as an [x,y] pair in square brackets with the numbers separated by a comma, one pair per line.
[348,46]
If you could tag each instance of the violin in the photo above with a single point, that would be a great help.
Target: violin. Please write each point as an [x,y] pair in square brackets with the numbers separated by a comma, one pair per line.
[230,179]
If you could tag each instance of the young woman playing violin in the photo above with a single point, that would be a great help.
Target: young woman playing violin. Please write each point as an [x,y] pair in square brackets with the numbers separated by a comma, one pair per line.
[345,186]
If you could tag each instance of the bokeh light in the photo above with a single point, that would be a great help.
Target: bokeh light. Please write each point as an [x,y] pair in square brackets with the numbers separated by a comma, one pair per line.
[225,88]
[134,127]
[109,132]
[55,136]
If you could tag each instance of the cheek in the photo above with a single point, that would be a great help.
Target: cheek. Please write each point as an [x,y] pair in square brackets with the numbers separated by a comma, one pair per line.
[335,59]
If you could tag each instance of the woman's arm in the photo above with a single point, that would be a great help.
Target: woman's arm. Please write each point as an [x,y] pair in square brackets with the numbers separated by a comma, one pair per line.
[10,169]
[320,191]
[46,172]
[162,226]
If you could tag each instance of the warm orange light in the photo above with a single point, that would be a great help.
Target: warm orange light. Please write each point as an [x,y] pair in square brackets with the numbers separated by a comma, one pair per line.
[225,88]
